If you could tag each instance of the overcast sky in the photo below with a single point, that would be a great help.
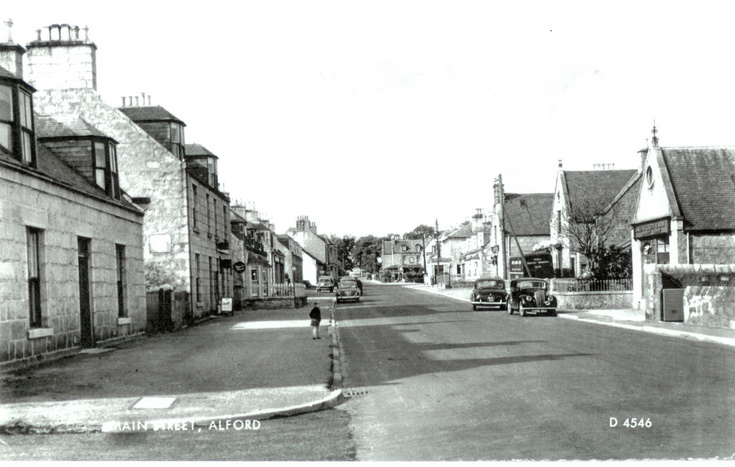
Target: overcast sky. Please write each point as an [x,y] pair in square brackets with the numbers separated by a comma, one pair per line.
[374,117]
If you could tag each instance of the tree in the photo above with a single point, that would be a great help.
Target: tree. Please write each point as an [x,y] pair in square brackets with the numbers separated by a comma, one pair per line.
[366,252]
[420,231]
[588,228]
[344,250]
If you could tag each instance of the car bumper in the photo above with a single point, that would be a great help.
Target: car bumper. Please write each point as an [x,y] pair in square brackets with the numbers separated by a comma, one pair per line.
[488,303]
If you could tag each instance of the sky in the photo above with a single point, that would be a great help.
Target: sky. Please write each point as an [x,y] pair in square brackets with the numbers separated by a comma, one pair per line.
[375,117]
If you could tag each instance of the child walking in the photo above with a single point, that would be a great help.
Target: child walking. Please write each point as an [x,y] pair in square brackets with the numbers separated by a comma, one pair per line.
[316,317]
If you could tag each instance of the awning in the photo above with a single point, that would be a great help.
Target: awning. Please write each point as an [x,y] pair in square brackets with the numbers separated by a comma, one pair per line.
[254,260]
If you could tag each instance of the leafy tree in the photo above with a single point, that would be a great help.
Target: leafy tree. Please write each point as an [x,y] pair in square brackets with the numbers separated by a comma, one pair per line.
[344,250]
[365,253]
[420,231]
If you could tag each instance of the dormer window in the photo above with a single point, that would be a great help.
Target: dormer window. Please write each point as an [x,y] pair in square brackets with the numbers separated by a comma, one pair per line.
[16,123]
[212,171]
[177,140]
[105,168]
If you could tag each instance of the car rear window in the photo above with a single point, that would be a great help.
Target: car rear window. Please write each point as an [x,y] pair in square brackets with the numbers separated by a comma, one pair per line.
[532,285]
[490,284]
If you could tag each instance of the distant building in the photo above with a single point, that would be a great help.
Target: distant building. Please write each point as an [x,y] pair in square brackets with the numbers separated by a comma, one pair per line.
[403,259]
[322,252]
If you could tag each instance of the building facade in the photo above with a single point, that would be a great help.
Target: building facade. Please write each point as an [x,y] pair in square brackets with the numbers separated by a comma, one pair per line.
[72,241]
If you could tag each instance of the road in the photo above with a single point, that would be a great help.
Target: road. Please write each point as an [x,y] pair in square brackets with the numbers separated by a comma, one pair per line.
[441,382]
[434,380]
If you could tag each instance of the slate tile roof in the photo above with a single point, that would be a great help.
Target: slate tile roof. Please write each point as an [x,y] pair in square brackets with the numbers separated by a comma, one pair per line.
[197,150]
[154,113]
[528,213]
[65,126]
[50,165]
[703,181]
[6,74]
[595,188]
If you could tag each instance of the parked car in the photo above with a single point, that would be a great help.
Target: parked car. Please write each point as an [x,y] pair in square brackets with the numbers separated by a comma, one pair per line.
[325,284]
[531,294]
[489,293]
[347,290]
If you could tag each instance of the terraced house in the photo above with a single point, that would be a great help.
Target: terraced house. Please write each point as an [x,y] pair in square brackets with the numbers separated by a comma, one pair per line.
[71,240]
[186,228]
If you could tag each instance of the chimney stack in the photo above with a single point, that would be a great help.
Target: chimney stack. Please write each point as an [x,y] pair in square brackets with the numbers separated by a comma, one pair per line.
[60,59]
[11,54]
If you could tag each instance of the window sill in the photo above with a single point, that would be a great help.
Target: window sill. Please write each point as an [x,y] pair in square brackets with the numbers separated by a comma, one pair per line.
[121,321]
[40,332]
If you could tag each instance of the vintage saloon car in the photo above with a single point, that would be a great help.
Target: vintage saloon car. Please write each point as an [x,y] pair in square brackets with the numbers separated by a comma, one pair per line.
[531,294]
[325,284]
[348,290]
[489,293]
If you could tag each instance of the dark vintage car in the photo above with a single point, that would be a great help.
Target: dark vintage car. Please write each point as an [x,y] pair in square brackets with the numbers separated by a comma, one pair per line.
[325,284]
[348,290]
[489,293]
[531,294]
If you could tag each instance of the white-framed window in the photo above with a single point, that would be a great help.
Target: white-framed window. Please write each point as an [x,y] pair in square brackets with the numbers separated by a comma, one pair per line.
[105,168]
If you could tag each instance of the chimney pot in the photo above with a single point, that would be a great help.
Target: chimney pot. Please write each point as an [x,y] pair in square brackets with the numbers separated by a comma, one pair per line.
[123,99]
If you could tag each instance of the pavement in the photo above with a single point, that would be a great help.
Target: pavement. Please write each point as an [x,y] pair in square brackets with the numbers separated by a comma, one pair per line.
[227,372]
[622,318]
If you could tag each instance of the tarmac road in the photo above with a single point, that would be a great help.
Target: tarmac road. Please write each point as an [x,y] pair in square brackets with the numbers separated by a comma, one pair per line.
[441,382]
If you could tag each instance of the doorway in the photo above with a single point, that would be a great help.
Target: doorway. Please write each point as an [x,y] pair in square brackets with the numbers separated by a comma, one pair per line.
[85,298]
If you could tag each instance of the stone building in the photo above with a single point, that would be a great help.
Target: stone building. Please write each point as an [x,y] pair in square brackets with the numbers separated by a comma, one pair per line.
[71,241]
[403,259]
[683,233]
[517,220]
[186,227]
[324,258]
[582,195]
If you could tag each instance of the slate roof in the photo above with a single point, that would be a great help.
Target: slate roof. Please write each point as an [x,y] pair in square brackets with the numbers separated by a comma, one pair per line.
[66,126]
[703,180]
[50,165]
[463,231]
[595,188]
[197,150]
[528,213]
[6,74]
[149,114]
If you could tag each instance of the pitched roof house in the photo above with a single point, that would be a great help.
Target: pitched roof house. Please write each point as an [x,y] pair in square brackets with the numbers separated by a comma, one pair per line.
[71,239]
[580,197]
[685,215]
[186,227]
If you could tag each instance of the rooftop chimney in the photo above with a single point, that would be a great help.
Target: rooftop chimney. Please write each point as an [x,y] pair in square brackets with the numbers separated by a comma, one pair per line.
[11,54]
[61,59]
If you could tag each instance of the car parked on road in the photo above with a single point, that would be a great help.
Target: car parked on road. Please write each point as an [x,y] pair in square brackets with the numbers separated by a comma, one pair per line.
[347,290]
[325,284]
[531,294]
[489,292]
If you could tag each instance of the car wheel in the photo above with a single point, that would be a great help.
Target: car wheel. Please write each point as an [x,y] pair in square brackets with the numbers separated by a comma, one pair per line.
[552,312]
[503,307]
[521,310]
[474,307]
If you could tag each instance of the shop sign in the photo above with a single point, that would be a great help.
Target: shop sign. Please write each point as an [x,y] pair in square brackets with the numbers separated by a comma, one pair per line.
[651,229]
[239,267]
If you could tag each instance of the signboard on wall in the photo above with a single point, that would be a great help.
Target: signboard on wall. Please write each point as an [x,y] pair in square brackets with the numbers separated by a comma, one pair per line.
[651,229]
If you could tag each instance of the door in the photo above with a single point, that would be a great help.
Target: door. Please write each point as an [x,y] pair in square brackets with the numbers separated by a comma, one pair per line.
[85,299]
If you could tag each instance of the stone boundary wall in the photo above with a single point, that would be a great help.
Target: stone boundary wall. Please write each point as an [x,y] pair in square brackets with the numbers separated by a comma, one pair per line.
[617,300]
[712,306]
[271,303]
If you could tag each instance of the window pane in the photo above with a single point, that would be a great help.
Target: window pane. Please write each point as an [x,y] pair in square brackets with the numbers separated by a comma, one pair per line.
[113,158]
[175,135]
[6,103]
[100,158]
[27,148]
[26,116]
[99,177]
[6,137]
[32,254]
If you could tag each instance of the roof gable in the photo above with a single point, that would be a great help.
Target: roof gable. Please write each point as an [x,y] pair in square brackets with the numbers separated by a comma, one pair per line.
[595,189]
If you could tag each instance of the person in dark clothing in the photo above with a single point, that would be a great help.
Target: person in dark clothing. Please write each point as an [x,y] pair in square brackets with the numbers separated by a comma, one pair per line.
[316,317]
